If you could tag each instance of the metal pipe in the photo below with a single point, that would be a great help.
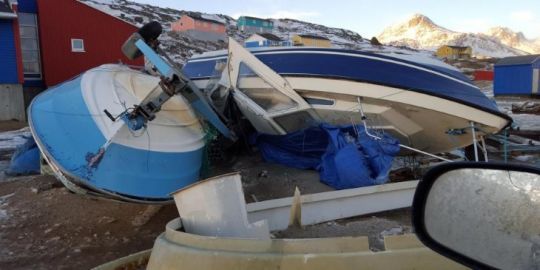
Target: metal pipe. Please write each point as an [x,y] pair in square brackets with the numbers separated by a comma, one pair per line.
[474,142]
[484,148]
[400,145]
[406,147]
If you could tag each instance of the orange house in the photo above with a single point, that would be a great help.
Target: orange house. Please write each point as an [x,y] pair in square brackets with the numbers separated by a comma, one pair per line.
[200,28]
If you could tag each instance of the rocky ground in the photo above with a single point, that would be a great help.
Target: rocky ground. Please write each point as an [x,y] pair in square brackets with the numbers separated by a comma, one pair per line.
[45,226]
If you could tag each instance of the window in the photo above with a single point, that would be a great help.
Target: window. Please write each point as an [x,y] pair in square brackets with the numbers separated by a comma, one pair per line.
[77,45]
[30,46]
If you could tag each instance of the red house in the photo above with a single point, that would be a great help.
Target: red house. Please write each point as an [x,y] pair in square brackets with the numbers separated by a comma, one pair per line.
[200,28]
[75,37]
[483,75]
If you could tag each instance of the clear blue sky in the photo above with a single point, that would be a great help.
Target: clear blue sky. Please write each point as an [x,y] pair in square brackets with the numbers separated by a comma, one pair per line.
[370,17]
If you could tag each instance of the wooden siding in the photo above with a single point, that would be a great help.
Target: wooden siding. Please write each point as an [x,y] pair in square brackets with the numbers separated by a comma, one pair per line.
[62,20]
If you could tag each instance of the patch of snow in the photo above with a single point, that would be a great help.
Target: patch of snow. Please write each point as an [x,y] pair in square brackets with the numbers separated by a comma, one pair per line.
[3,214]
[10,140]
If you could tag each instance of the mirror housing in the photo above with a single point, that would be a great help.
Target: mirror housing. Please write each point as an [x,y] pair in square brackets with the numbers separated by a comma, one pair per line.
[482,215]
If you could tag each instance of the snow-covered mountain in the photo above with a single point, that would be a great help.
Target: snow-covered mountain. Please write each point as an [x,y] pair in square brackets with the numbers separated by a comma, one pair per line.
[420,32]
[180,47]
[514,39]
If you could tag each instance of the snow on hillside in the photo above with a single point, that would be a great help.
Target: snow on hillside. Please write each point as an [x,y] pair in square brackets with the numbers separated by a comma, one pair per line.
[420,32]
[515,40]
[181,46]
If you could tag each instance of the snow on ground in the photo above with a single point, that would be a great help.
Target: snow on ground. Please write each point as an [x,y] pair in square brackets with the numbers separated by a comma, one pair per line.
[504,103]
[10,140]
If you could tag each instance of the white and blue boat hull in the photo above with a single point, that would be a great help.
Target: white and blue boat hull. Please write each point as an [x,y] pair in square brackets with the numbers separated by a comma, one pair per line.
[423,102]
[71,129]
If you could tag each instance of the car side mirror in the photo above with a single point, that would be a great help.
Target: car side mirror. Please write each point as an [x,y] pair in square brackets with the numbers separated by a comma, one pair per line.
[483,215]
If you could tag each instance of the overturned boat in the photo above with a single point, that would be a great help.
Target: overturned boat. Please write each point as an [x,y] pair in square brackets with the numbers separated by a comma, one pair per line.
[425,103]
[123,133]
[86,148]
[129,135]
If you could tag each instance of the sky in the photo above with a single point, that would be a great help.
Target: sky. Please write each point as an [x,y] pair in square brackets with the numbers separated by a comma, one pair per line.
[370,17]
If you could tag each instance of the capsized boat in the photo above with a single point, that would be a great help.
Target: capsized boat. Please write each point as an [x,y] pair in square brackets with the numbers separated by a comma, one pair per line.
[423,102]
[87,150]
[124,134]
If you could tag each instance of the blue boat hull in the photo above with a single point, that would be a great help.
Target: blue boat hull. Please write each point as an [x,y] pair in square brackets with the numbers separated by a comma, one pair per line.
[436,79]
[69,137]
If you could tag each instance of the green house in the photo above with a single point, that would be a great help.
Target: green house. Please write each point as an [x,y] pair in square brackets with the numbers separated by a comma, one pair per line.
[254,25]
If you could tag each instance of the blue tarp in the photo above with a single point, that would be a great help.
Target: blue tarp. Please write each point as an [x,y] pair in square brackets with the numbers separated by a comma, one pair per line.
[25,160]
[344,156]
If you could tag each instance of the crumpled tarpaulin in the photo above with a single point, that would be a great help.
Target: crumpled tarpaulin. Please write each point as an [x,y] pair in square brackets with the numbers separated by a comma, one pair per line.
[25,160]
[344,156]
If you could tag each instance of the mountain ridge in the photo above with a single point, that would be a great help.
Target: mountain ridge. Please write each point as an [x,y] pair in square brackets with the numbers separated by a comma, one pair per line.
[420,32]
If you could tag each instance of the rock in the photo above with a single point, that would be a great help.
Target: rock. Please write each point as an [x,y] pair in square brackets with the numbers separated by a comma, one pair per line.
[146,215]
[54,239]
[528,107]
[77,250]
[106,220]
[48,230]
[34,190]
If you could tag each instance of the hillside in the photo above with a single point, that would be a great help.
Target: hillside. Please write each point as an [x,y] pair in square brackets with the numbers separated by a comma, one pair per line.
[421,32]
[181,46]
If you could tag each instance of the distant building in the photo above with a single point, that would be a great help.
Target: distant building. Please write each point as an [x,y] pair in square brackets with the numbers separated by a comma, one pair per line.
[518,75]
[311,40]
[483,75]
[11,64]
[200,28]
[254,25]
[265,40]
[454,52]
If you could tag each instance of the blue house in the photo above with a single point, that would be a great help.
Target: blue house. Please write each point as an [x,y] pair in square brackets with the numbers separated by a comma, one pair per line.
[20,64]
[518,75]
[254,25]
[265,40]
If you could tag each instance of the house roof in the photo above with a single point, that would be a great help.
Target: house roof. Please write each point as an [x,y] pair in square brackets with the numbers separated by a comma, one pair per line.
[5,10]
[519,60]
[458,47]
[313,37]
[255,18]
[198,17]
[269,36]
[104,9]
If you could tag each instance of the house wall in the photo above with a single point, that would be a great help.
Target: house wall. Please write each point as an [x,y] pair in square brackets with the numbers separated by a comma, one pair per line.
[311,42]
[483,75]
[187,23]
[452,53]
[12,102]
[183,24]
[513,80]
[11,93]
[9,72]
[207,26]
[536,81]
[254,25]
[103,37]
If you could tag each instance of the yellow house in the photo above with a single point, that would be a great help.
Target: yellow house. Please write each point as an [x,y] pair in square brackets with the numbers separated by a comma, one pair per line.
[311,40]
[454,52]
